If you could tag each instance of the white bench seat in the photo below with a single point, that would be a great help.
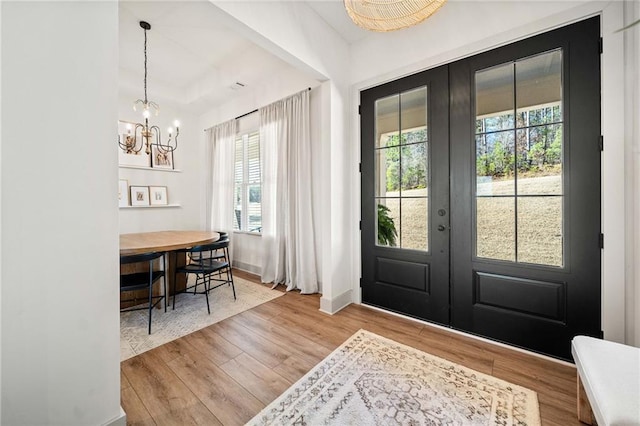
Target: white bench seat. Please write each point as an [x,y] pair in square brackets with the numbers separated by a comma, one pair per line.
[609,373]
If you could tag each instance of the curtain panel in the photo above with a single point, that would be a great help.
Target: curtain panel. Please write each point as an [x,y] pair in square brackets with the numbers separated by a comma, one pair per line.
[220,179]
[287,221]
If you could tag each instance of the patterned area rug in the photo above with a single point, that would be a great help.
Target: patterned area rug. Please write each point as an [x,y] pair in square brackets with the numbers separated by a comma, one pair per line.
[190,315]
[371,380]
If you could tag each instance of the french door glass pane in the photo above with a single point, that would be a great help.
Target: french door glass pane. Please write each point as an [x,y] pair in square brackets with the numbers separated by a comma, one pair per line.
[495,228]
[414,223]
[540,160]
[540,230]
[495,168]
[388,121]
[413,115]
[519,165]
[388,222]
[414,170]
[494,99]
[387,163]
[539,85]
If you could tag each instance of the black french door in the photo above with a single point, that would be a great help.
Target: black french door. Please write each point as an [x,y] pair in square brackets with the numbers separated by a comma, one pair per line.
[405,195]
[481,192]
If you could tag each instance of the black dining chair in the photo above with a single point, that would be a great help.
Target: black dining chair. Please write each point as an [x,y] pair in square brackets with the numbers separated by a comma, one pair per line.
[141,281]
[222,253]
[204,262]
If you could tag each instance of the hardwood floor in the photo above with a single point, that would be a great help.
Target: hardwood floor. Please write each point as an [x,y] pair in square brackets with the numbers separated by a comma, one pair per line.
[227,372]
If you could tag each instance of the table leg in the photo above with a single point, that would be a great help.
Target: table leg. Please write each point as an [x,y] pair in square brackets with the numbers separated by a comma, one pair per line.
[175,260]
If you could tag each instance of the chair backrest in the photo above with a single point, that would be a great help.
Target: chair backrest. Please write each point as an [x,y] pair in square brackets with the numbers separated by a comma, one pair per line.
[135,258]
[208,247]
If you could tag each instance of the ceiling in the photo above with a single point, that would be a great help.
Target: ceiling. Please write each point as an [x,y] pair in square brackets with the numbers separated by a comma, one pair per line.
[194,57]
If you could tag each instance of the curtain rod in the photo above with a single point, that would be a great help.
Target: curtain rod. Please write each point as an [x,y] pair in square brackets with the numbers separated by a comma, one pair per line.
[245,114]
[250,112]
[255,110]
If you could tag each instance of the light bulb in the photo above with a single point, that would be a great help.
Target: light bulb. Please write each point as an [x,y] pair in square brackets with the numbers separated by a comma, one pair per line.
[176,123]
[145,113]
[170,130]
[129,127]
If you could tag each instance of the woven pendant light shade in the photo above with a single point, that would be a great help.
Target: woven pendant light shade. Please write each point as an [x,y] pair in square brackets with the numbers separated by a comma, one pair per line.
[390,15]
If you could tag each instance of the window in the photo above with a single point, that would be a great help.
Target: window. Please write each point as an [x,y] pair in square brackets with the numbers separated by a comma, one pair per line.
[248,180]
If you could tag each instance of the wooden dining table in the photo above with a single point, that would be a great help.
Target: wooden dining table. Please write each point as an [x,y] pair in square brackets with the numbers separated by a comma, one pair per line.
[167,242]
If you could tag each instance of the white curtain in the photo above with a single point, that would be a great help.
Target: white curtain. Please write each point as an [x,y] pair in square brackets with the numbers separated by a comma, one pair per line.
[219,191]
[287,220]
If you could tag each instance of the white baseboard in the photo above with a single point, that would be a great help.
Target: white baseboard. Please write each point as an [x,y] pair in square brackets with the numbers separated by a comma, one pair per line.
[331,306]
[121,420]
[253,269]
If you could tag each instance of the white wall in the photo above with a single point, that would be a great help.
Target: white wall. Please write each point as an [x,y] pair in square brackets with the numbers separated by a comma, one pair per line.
[406,52]
[632,172]
[453,32]
[60,322]
[182,187]
[0,215]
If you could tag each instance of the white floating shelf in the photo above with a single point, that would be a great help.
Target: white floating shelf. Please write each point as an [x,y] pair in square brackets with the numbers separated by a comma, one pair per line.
[155,169]
[151,207]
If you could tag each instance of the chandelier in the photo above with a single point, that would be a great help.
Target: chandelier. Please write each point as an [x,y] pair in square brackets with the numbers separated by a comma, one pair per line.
[141,135]
[390,15]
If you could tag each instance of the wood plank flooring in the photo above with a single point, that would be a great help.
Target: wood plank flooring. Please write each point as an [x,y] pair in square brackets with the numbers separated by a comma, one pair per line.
[227,372]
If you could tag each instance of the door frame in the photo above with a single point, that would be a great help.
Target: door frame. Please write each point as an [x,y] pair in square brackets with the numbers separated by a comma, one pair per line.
[613,127]
[607,182]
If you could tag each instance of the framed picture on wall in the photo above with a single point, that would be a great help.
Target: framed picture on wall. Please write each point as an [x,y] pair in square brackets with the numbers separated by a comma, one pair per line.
[123,193]
[127,157]
[139,195]
[161,159]
[158,195]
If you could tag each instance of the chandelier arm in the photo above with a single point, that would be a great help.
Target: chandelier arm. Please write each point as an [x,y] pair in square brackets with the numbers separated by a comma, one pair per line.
[162,147]
[156,131]
[130,143]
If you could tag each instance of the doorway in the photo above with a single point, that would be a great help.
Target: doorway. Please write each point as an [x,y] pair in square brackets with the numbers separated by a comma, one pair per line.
[481,192]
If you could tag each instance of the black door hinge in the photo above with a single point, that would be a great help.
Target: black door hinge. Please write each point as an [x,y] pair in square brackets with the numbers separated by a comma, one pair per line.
[601,143]
[359,109]
[360,225]
[600,45]
[601,240]
[360,281]
[360,167]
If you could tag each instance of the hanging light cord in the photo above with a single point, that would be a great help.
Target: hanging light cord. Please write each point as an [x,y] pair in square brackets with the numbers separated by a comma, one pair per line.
[145,67]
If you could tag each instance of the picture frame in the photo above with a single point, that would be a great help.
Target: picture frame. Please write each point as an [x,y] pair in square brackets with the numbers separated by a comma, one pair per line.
[126,129]
[158,195]
[139,195]
[123,193]
[160,159]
